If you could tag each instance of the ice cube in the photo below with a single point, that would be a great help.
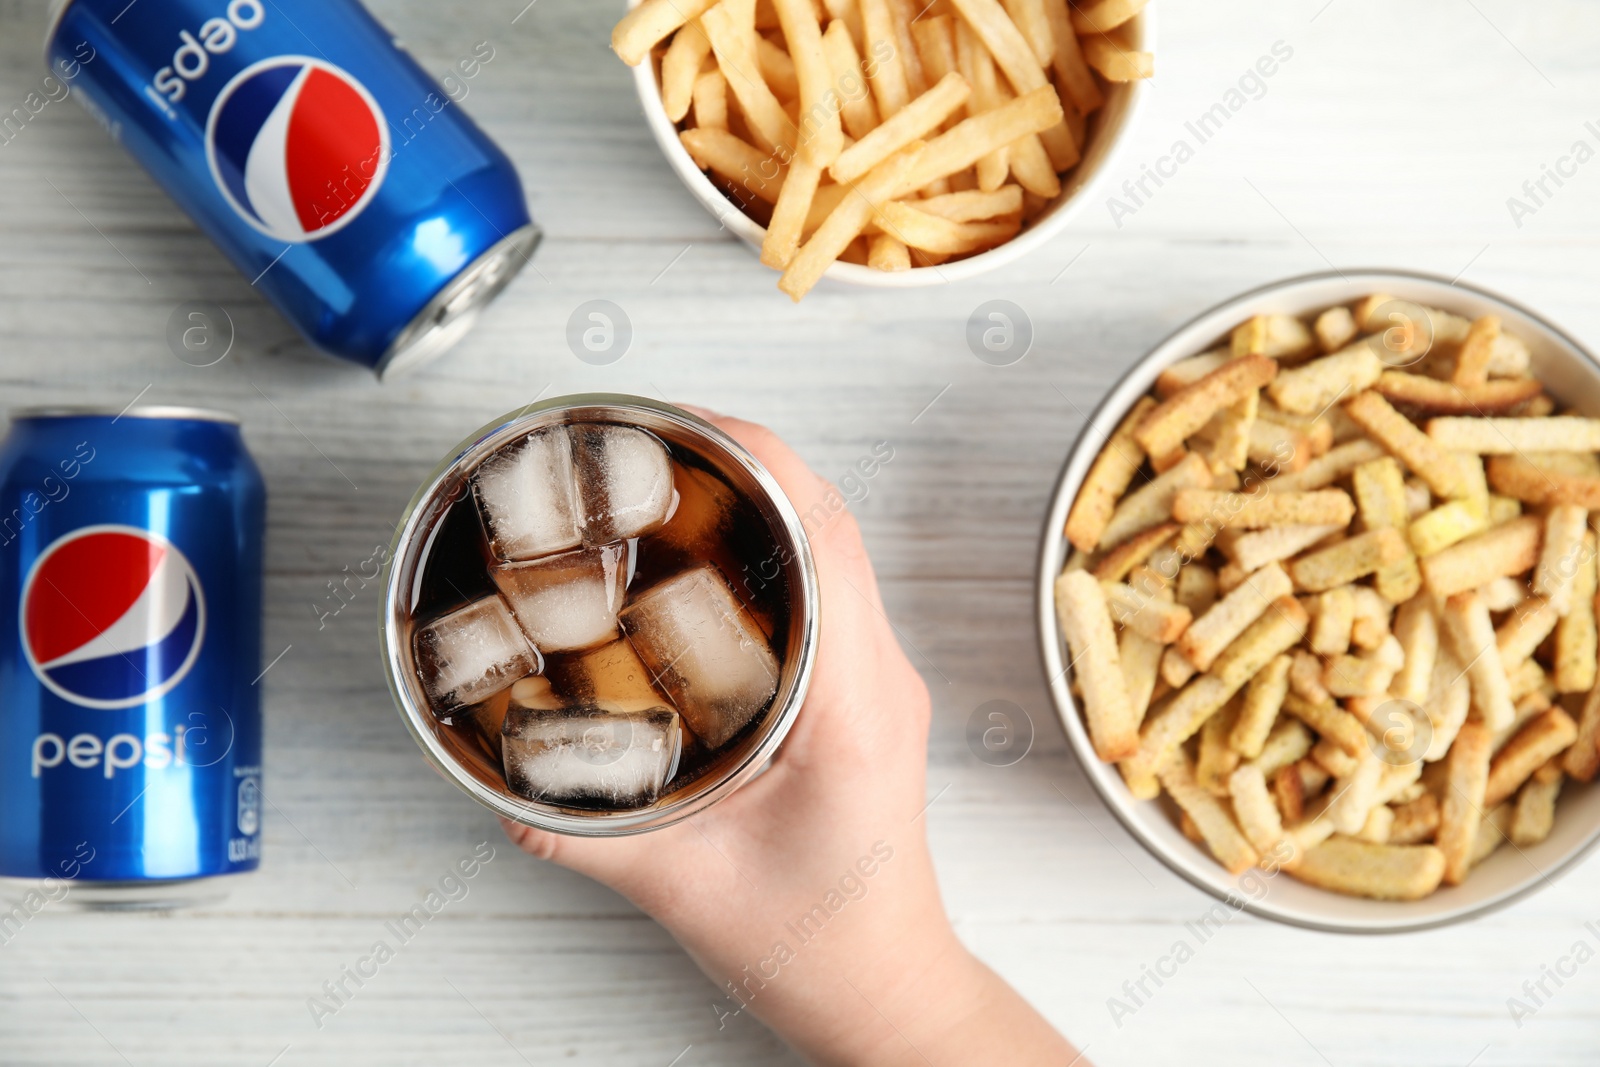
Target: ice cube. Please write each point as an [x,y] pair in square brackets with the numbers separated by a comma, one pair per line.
[470,654]
[704,649]
[586,757]
[611,675]
[527,496]
[567,602]
[624,480]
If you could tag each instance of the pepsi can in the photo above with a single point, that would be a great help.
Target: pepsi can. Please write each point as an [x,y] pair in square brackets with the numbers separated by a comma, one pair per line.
[334,172]
[130,572]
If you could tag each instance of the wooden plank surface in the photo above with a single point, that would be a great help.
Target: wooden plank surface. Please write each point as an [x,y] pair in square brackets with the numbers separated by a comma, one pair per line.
[1393,136]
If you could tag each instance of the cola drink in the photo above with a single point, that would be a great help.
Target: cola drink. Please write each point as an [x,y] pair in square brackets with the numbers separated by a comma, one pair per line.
[601,615]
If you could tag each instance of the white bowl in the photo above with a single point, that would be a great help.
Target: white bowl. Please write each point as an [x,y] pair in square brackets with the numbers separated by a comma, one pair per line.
[1571,375]
[1108,131]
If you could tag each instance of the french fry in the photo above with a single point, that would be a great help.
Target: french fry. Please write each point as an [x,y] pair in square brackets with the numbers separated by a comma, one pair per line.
[1348,561]
[887,73]
[1434,397]
[856,107]
[1335,328]
[1544,738]
[680,67]
[1157,619]
[777,70]
[974,205]
[1151,504]
[821,135]
[845,223]
[1462,807]
[1505,551]
[1086,624]
[1187,410]
[918,229]
[1472,635]
[1216,825]
[1275,632]
[1472,362]
[730,26]
[711,101]
[1535,813]
[1582,760]
[1030,19]
[1557,571]
[1408,444]
[886,253]
[735,160]
[905,13]
[1004,42]
[1033,169]
[1113,55]
[917,119]
[782,240]
[963,144]
[1363,869]
[1316,385]
[1072,70]
[648,25]
[1102,16]
[1507,436]
[1209,635]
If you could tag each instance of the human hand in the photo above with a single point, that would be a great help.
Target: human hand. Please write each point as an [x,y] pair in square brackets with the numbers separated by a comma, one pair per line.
[809,894]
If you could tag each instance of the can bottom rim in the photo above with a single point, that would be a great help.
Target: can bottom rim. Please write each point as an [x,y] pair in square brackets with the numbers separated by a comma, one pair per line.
[153,895]
[450,315]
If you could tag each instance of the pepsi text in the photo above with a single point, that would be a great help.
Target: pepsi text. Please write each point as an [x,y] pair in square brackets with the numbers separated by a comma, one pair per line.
[192,60]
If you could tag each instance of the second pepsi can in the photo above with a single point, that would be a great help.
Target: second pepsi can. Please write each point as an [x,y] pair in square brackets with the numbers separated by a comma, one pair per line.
[335,173]
[130,634]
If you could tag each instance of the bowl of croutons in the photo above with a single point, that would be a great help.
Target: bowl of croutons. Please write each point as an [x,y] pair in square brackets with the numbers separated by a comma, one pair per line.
[1317,601]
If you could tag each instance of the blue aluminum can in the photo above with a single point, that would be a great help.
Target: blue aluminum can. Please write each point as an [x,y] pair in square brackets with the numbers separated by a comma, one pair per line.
[130,642]
[333,171]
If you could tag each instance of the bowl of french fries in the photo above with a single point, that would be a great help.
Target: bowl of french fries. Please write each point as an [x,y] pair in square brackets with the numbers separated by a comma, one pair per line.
[888,143]
[1317,601]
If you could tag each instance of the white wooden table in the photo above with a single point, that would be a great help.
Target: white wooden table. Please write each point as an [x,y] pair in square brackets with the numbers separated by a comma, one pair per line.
[1392,137]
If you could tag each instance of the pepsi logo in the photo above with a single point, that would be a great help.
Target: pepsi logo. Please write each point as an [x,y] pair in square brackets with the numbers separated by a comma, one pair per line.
[112,616]
[297,146]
